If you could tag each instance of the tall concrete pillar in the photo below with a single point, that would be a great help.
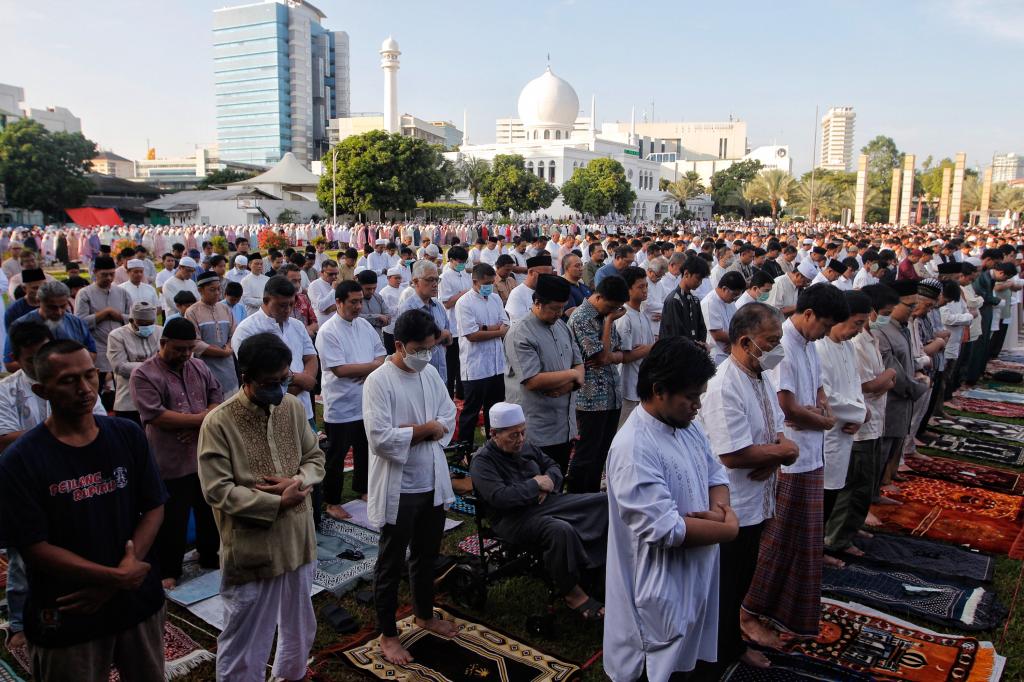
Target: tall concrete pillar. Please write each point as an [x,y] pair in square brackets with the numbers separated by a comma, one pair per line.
[862,183]
[957,195]
[894,197]
[986,197]
[908,188]
[389,53]
[947,177]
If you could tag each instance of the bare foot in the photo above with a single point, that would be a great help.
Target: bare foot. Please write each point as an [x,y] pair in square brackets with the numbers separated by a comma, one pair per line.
[833,562]
[891,488]
[888,501]
[754,631]
[872,521]
[337,512]
[866,535]
[853,551]
[16,641]
[442,628]
[923,458]
[364,497]
[169,583]
[393,651]
[755,659]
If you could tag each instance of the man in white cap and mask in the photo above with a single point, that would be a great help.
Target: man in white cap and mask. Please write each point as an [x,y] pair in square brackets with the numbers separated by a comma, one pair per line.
[520,486]
[787,287]
[241,269]
[136,286]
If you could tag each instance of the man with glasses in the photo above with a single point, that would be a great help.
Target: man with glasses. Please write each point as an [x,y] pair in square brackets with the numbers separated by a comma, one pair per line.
[321,291]
[275,316]
[424,297]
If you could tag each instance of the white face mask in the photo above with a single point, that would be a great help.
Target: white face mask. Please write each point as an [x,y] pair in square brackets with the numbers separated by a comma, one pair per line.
[417,361]
[771,359]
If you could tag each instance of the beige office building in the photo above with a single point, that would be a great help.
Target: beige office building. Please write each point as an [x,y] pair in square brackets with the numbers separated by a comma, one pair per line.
[837,139]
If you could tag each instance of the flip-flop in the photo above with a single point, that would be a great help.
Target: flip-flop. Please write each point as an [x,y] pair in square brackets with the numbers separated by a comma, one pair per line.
[590,610]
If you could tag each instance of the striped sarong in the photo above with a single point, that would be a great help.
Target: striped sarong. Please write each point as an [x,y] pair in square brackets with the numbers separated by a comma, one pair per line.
[786,589]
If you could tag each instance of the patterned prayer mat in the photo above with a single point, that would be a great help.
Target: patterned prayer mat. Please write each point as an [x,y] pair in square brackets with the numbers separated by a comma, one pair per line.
[925,556]
[903,593]
[478,653]
[1003,365]
[965,473]
[471,544]
[973,517]
[3,570]
[868,642]
[979,427]
[1010,357]
[7,673]
[181,655]
[788,667]
[966,446]
[993,396]
[995,409]
[338,574]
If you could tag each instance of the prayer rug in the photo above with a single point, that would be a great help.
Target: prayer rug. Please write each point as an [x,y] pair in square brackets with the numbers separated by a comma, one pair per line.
[181,655]
[334,572]
[996,386]
[925,556]
[868,642]
[1003,453]
[1009,356]
[3,570]
[471,544]
[789,667]
[965,473]
[1005,366]
[993,396]
[978,427]
[903,593]
[7,673]
[479,652]
[461,506]
[995,409]
[973,517]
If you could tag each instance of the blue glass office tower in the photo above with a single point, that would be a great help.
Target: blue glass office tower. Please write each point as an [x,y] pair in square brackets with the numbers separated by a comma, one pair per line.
[279,77]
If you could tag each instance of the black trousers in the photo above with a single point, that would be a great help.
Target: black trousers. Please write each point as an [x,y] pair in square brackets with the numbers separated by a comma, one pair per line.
[597,429]
[451,360]
[185,494]
[129,415]
[998,339]
[737,564]
[107,395]
[829,502]
[560,453]
[389,342]
[341,437]
[418,529]
[479,394]
[938,390]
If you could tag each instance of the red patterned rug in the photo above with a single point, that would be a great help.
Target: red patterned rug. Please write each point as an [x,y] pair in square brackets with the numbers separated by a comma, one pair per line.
[965,473]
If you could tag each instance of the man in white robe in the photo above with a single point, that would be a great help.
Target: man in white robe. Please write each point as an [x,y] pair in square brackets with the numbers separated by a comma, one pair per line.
[668,508]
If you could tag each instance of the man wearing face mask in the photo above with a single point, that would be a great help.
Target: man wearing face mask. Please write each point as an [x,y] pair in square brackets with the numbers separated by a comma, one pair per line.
[758,290]
[742,419]
[482,324]
[53,312]
[455,282]
[174,392]
[409,418]
[258,463]
[349,350]
[127,348]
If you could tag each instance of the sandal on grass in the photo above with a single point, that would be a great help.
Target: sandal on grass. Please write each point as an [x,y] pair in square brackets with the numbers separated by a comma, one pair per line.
[590,610]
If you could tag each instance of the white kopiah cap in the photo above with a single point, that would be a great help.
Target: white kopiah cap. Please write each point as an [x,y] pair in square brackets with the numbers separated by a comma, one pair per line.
[187,262]
[504,415]
[807,269]
[134,263]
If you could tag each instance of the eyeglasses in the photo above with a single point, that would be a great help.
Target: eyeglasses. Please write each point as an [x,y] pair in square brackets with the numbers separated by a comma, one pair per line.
[284,383]
[430,280]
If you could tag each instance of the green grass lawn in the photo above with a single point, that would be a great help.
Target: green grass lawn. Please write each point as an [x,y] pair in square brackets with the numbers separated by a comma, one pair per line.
[511,601]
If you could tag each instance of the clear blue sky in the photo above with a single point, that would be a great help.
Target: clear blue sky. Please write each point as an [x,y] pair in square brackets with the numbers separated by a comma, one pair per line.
[939,76]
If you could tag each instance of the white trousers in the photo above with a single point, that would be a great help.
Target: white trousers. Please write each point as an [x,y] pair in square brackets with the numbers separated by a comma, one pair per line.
[253,612]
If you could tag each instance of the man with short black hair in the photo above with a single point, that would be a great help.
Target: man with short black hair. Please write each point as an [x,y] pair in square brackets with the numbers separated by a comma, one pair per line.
[104,307]
[32,280]
[681,313]
[622,260]
[519,301]
[374,310]
[718,307]
[253,285]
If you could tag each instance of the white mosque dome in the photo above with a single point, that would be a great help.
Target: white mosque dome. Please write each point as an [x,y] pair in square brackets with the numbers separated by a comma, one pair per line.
[548,102]
[389,45]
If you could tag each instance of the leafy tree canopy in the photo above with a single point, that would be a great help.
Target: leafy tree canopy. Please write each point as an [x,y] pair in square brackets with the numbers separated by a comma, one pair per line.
[599,188]
[223,176]
[727,183]
[509,187]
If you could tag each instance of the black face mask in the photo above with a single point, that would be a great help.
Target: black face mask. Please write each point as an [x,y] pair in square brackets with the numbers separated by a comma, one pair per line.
[269,395]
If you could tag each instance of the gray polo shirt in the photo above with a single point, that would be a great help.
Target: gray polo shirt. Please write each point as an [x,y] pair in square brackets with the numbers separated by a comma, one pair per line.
[532,348]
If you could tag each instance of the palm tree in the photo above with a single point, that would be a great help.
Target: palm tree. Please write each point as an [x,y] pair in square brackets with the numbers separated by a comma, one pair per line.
[773,186]
[686,187]
[1006,198]
[821,200]
[971,196]
[472,174]
[740,199]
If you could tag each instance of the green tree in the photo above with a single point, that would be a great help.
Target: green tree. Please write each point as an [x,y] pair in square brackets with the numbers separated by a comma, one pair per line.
[599,188]
[686,187]
[772,186]
[1006,198]
[471,175]
[44,171]
[288,215]
[725,183]
[221,177]
[509,187]
[931,179]
[377,171]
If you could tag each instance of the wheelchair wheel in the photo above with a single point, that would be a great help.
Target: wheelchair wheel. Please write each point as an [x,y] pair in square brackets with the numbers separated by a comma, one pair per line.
[467,587]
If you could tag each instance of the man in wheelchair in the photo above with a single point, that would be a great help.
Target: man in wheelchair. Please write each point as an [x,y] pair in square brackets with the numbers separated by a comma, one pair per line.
[521,487]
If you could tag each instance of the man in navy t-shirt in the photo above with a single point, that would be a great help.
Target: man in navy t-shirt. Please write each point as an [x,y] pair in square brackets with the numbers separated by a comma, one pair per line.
[81,499]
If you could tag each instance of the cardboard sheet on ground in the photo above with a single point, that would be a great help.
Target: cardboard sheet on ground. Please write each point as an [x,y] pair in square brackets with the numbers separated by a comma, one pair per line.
[212,610]
[358,510]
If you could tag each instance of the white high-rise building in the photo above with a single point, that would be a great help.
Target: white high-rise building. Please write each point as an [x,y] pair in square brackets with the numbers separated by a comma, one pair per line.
[837,139]
[280,77]
[1006,167]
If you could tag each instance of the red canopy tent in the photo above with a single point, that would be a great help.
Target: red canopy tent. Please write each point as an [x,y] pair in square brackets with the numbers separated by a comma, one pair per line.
[94,217]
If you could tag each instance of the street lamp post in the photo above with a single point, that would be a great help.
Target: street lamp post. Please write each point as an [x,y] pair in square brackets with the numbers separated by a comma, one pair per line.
[334,182]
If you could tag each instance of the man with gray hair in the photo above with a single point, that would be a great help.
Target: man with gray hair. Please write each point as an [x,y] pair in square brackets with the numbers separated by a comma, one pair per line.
[656,293]
[424,297]
[127,348]
[53,312]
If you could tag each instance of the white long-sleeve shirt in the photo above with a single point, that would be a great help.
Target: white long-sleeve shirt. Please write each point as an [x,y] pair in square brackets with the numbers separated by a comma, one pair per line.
[252,291]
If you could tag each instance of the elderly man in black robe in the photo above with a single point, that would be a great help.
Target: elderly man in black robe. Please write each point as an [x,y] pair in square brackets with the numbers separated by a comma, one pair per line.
[519,485]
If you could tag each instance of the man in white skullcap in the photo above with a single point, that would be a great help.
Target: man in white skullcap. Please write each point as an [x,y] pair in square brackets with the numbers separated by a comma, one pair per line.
[378,261]
[787,287]
[520,486]
[390,294]
[136,286]
[241,269]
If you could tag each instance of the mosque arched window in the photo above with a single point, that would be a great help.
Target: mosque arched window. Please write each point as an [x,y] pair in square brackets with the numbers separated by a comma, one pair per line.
[558,134]
[551,172]
[547,134]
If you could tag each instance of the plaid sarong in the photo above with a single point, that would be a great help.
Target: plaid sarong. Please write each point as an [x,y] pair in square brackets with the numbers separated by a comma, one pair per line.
[786,589]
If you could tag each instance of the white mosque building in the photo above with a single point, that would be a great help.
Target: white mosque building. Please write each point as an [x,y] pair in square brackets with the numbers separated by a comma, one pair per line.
[554,144]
